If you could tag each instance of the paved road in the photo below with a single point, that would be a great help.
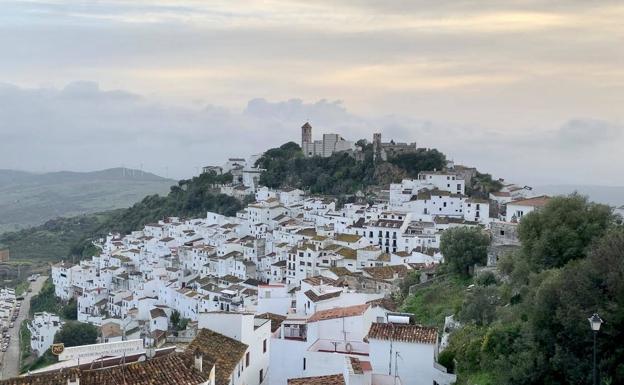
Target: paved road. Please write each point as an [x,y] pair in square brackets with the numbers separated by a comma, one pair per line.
[11,358]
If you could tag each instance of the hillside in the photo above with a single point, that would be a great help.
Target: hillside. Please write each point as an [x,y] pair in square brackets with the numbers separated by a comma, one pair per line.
[29,199]
[62,238]
[525,322]
[339,176]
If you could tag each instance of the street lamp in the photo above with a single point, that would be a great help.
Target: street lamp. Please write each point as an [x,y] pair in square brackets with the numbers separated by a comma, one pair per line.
[595,322]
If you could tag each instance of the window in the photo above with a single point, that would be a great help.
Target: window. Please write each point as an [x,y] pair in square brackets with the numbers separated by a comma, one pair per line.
[304,364]
[261,376]
[264,346]
[247,359]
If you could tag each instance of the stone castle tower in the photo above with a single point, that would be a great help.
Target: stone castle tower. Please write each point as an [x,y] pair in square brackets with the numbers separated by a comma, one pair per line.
[377,148]
[306,135]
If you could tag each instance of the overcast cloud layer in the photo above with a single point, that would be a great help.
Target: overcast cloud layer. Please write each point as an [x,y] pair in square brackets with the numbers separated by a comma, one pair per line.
[532,91]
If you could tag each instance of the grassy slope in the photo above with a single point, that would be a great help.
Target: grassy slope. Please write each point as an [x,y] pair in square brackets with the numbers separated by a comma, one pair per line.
[430,304]
[31,199]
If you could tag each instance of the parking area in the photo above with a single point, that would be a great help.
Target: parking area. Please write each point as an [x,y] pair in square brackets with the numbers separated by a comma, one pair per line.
[11,321]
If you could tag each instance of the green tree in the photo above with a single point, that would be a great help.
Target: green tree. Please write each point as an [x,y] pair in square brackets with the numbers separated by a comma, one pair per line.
[479,306]
[486,278]
[45,300]
[463,247]
[562,230]
[75,333]
[70,310]
[175,319]
[421,160]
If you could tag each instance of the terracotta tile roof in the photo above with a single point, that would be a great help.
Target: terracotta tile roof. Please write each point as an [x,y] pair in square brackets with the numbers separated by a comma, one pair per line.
[224,351]
[404,333]
[155,313]
[334,379]
[356,365]
[276,320]
[386,272]
[321,297]
[539,201]
[340,271]
[339,312]
[308,232]
[111,329]
[349,238]
[387,303]
[347,252]
[172,369]
[317,280]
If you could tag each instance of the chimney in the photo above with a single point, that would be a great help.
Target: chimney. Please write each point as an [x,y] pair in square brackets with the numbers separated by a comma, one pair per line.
[199,361]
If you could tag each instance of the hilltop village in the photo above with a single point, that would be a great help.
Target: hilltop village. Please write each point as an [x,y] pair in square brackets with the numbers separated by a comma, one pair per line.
[294,289]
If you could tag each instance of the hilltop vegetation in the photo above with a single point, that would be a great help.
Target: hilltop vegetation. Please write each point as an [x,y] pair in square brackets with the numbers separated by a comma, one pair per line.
[28,199]
[528,324]
[340,173]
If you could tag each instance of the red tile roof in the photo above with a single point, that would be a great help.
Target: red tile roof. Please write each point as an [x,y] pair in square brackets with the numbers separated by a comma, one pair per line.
[321,297]
[172,369]
[404,333]
[339,312]
[334,379]
[539,201]
[224,351]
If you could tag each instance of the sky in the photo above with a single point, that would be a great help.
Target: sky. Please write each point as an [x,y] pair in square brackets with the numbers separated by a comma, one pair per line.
[530,91]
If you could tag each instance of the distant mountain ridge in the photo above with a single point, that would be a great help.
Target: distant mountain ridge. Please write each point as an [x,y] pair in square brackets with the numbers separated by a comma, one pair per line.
[610,195]
[29,199]
[118,173]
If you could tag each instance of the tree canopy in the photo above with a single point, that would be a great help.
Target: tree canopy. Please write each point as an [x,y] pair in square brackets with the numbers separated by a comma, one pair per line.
[74,333]
[341,173]
[530,327]
[463,247]
[562,230]
[421,160]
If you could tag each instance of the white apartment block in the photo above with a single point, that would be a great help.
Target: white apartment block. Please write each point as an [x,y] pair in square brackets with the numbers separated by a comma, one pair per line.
[43,327]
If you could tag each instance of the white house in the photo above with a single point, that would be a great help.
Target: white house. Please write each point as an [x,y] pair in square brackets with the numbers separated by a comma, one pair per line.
[239,343]
[410,351]
[517,209]
[42,329]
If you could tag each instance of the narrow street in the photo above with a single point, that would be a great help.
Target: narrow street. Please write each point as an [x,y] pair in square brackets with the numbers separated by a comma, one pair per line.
[11,358]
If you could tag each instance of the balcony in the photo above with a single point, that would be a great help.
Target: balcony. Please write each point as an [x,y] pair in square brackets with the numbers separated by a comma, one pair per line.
[295,332]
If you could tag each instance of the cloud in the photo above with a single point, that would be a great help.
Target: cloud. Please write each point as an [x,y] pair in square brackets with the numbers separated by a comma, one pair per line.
[578,133]
[83,127]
